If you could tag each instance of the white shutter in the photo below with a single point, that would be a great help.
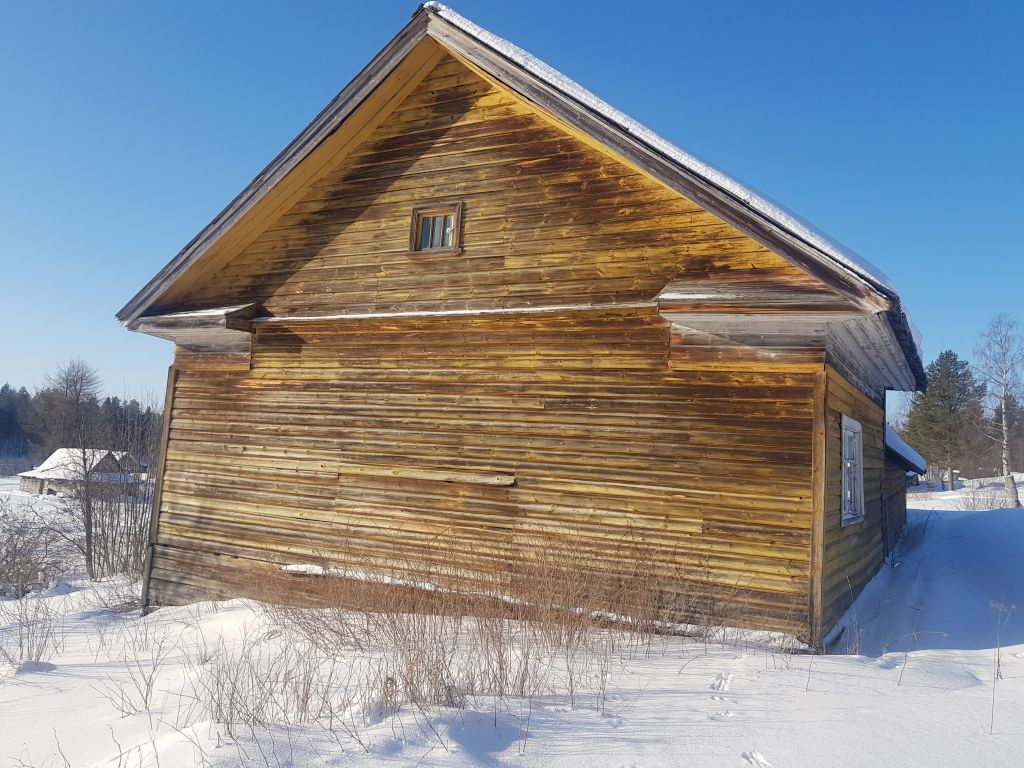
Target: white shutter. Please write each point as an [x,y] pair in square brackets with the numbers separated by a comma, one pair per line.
[853,472]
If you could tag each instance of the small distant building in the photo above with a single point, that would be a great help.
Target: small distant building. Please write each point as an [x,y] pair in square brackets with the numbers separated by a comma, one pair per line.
[68,466]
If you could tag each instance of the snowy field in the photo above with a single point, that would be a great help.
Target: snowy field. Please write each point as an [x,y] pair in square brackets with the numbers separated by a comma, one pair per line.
[910,682]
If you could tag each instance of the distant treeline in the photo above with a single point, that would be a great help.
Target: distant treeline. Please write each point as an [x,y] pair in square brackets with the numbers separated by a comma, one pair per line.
[971,418]
[951,426]
[67,412]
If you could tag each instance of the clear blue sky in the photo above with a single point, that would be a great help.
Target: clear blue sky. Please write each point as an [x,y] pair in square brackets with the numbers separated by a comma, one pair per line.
[895,127]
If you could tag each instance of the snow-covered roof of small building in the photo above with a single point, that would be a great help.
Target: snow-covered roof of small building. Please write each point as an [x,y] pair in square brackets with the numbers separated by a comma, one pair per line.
[68,463]
[898,448]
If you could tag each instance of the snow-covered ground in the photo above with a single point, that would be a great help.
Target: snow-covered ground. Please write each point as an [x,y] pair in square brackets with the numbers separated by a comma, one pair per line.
[920,693]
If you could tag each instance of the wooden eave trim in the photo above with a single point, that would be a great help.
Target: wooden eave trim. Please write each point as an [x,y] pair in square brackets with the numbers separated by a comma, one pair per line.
[235,317]
[485,311]
[209,327]
[684,314]
[326,123]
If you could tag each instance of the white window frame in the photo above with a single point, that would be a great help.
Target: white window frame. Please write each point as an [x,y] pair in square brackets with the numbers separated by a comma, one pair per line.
[853,471]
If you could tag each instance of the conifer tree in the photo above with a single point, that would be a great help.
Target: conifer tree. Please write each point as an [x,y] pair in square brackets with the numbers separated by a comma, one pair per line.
[939,419]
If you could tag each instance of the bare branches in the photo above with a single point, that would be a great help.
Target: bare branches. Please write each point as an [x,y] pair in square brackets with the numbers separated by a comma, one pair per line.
[999,356]
[999,363]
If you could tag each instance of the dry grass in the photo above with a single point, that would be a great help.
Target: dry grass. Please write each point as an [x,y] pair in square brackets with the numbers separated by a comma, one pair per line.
[554,625]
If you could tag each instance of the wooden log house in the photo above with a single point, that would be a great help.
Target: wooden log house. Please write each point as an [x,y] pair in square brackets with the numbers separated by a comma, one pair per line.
[473,304]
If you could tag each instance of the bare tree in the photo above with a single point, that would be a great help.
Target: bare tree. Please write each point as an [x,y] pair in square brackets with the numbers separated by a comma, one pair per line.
[75,423]
[105,450]
[121,520]
[999,361]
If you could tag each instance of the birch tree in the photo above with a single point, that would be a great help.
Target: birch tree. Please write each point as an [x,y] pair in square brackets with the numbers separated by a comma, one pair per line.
[999,361]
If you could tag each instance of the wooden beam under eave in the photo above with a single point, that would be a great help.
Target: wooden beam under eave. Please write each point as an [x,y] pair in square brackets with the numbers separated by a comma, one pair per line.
[284,194]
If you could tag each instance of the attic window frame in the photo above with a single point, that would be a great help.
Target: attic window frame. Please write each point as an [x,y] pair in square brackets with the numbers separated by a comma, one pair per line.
[443,208]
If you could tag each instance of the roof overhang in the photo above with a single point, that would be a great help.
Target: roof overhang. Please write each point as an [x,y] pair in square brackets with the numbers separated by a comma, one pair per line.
[223,329]
[901,454]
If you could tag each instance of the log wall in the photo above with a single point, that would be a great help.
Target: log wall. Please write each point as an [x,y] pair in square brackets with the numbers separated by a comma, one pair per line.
[482,438]
[895,505]
[853,553]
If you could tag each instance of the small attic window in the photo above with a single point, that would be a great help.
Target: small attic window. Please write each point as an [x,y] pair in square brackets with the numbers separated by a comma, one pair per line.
[435,228]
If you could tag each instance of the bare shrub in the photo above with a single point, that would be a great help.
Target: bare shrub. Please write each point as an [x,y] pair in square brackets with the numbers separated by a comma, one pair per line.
[263,681]
[555,623]
[980,498]
[342,646]
[32,555]
[31,630]
[134,692]
[120,594]
[915,532]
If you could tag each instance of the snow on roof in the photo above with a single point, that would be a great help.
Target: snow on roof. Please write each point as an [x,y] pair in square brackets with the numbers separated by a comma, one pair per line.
[844,256]
[895,443]
[67,463]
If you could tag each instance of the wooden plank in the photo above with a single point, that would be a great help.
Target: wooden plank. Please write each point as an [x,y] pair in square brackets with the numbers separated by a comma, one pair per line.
[437,475]
[158,485]
[818,493]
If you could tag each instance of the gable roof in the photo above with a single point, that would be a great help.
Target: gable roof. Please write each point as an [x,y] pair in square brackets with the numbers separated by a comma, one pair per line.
[754,214]
[67,463]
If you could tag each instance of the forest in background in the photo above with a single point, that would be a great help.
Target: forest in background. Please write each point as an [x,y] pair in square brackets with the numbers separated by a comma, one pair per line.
[970,420]
[68,411]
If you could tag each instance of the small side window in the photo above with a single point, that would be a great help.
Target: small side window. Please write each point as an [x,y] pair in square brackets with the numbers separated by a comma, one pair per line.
[853,471]
[435,228]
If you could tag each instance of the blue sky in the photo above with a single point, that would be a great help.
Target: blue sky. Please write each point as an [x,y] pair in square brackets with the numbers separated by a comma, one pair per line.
[894,127]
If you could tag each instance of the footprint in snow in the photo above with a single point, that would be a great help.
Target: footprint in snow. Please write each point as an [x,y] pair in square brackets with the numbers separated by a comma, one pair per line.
[721,684]
[756,759]
[721,716]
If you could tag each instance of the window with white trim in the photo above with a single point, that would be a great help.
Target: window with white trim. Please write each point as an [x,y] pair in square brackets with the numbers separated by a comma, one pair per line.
[853,471]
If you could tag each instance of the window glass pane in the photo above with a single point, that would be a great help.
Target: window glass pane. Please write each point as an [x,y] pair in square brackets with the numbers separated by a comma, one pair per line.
[438,232]
[449,226]
[425,233]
